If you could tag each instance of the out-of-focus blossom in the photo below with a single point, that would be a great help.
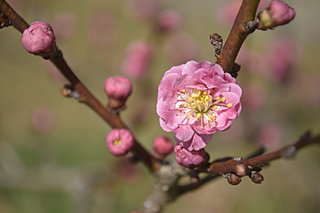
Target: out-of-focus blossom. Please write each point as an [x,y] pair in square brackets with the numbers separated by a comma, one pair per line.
[195,100]
[119,141]
[127,171]
[143,9]
[64,25]
[102,29]
[118,89]
[282,57]
[168,20]
[162,146]
[138,57]
[276,14]
[42,119]
[39,39]
[190,158]
[180,48]
[270,135]
[254,97]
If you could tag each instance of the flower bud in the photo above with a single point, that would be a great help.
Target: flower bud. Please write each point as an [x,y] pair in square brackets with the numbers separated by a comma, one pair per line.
[190,158]
[256,177]
[233,179]
[118,89]
[276,14]
[39,39]
[162,146]
[120,141]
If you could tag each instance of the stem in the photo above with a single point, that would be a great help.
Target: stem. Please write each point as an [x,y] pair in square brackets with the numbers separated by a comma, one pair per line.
[239,32]
[85,95]
[261,160]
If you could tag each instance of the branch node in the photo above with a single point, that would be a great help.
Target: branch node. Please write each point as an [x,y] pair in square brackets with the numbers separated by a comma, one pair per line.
[241,170]
[70,92]
[289,153]
[4,20]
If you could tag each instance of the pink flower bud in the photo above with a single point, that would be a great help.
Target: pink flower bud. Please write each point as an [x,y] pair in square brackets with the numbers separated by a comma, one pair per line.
[168,20]
[118,89]
[119,141]
[276,14]
[190,158]
[137,60]
[39,39]
[162,146]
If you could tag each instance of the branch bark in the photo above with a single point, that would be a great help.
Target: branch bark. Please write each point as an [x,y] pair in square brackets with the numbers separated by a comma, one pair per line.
[86,96]
[241,28]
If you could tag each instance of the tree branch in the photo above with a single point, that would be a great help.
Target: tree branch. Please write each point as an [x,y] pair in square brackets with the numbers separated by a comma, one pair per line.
[259,161]
[85,95]
[241,28]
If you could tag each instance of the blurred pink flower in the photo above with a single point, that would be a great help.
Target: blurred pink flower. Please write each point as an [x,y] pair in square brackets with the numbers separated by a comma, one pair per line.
[102,28]
[253,98]
[142,9]
[119,141]
[168,20]
[64,25]
[127,171]
[195,100]
[270,135]
[190,158]
[162,146]
[42,119]
[39,39]
[138,58]
[180,48]
[282,57]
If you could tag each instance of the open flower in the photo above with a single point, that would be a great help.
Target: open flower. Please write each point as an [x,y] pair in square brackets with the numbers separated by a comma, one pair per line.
[195,100]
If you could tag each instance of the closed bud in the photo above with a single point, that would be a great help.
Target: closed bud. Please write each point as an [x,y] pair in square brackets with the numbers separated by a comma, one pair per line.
[39,39]
[120,141]
[233,179]
[168,20]
[256,177]
[162,146]
[276,14]
[118,89]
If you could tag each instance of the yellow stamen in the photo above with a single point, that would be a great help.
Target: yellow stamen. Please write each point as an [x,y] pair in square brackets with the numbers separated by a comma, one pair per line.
[117,142]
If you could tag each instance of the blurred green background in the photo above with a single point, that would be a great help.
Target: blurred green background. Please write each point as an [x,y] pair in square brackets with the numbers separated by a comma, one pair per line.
[53,156]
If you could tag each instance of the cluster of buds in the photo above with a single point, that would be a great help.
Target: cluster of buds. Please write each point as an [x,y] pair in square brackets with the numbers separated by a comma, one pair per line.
[276,14]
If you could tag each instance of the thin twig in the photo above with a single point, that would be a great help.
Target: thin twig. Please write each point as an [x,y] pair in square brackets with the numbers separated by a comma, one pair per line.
[261,160]
[85,95]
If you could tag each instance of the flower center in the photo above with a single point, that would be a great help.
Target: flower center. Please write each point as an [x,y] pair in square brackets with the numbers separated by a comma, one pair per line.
[117,142]
[200,105]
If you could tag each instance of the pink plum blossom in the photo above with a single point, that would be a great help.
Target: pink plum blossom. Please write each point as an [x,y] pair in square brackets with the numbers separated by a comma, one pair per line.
[118,89]
[137,60]
[120,141]
[190,158]
[162,146]
[195,100]
[39,39]
[276,14]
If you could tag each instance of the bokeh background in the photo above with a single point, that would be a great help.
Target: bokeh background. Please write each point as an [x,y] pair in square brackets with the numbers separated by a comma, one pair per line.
[53,156]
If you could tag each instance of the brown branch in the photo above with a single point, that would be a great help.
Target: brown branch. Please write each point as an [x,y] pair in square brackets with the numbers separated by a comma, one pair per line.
[241,28]
[232,166]
[85,95]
